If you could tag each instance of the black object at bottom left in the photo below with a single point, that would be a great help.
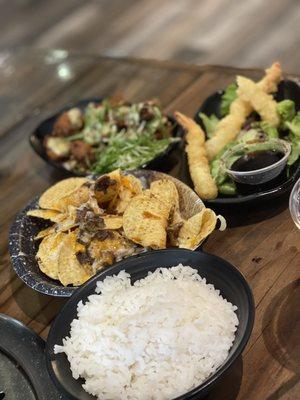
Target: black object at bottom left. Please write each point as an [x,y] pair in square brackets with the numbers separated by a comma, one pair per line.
[23,372]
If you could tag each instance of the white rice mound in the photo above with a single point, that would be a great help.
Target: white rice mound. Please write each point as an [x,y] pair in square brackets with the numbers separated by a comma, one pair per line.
[156,339]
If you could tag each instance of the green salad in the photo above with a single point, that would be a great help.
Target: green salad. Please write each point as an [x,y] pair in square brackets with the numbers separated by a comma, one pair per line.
[254,130]
[109,135]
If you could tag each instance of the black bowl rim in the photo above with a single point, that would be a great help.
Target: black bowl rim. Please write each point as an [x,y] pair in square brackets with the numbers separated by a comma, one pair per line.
[83,102]
[220,371]
[260,196]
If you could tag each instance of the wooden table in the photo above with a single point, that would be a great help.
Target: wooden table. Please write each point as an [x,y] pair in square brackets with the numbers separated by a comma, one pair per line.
[33,85]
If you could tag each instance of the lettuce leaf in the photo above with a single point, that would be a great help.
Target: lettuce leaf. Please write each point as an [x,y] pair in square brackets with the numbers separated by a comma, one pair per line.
[269,130]
[210,123]
[295,153]
[264,127]
[228,97]
[286,110]
[294,125]
[294,138]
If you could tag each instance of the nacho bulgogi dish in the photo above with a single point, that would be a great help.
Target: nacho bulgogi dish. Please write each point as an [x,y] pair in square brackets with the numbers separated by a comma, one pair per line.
[98,222]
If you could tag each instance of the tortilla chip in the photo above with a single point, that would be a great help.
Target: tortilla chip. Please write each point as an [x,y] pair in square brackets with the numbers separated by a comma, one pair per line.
[107,247]
[93,204]
[50,199]
[66,225]
[196,229]
[121,202]
[107,186]
[79,196]
[145,220]
[132,183]
[45,232]
[129,187]
[108,241]
[52,215]
[112,221]
[166,191]
[70,271]
[71,213]
[48,254]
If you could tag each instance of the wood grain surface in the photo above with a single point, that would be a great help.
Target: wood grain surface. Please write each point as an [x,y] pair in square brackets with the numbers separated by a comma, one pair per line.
[33,85]
[229,32]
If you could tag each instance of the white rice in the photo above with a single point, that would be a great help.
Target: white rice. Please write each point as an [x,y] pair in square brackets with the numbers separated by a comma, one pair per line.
[156,339]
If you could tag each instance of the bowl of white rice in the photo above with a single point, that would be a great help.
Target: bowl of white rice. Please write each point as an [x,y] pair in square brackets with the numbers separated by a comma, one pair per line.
[163,325]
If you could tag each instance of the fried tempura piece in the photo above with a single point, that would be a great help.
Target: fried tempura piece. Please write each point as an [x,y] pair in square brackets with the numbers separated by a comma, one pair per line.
[262,103]
[270,81]
[229,127]
[197,158]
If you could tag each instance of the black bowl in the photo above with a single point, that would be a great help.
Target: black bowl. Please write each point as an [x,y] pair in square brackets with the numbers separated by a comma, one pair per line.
[287,89]
[23,372]
[217,271]
[36,139]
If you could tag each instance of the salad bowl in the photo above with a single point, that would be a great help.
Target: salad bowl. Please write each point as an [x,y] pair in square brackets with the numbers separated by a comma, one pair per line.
[38,136]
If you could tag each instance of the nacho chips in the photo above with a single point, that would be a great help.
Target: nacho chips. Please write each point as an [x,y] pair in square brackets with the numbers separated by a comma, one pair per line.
[197,228]
[109,246]
[70,271]
[145,220]
[166,191]
[51,198]
[113,221]
[52,215]
[96,223]
[45,232]
[48,254]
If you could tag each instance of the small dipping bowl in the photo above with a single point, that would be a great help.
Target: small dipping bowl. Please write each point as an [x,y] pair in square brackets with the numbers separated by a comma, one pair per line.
[294,204]
[256,176]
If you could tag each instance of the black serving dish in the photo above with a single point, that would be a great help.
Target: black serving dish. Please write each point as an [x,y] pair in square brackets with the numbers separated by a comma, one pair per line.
[36,139]
[287,89]
[217,271]
[23,247]
[23,372]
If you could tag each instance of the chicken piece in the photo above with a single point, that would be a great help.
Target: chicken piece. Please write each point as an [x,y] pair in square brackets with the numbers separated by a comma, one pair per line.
[68,123]
[57,148]
[82,151]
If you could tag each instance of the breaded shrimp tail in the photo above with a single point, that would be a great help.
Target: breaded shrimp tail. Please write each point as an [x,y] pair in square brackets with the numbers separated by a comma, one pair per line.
[229,127]
[260,101]
[270,81]
[199,168]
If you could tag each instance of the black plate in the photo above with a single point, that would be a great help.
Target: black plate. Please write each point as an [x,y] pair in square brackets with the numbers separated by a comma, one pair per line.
[223,275]
[287,89]
[36,139]
[23,372]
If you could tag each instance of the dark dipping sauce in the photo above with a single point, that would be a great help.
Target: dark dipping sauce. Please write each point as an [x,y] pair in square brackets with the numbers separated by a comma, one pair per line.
[256,160]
